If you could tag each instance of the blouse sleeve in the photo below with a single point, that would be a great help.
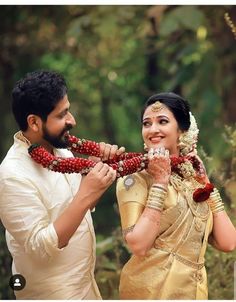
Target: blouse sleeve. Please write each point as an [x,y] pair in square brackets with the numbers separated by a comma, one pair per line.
[132,193]
[26,219]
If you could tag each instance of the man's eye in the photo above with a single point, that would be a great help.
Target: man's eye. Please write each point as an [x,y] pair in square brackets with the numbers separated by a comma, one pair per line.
[63,114]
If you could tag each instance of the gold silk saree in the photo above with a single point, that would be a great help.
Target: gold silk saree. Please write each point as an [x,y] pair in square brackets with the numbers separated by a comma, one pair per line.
[174,267]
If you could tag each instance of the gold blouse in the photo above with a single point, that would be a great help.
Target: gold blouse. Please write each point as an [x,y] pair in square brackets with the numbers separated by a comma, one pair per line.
[174,267]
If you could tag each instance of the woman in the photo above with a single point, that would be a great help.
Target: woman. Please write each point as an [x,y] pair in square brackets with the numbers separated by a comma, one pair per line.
[165,221]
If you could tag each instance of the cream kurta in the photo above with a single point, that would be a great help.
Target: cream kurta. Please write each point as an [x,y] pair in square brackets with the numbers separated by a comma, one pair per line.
[174,267]
[31,198]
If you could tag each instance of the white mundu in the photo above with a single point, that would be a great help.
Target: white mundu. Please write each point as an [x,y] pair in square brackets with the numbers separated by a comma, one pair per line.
[31,198]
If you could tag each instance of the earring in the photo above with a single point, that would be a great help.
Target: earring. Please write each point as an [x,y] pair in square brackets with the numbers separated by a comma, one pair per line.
[184,145]
[145,147]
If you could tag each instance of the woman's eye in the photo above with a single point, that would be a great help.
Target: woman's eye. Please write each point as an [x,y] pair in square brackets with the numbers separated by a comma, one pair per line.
[146,124]
[163,121]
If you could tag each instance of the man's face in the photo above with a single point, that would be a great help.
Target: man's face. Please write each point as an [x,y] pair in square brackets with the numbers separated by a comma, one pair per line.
[59,121]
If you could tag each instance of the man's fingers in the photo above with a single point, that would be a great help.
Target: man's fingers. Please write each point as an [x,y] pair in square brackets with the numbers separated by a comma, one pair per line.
[94,158]
[98,166]
[113,151]
[111,175]
[105,151]
[104,170]
[108,151]
[120,151]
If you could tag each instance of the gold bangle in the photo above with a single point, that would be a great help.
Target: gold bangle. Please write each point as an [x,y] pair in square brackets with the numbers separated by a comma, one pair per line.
[155,205]
[215,202]
[160,187]
[156,198]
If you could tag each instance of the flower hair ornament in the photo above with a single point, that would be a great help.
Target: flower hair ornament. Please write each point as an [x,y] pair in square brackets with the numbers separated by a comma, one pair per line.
[188,139]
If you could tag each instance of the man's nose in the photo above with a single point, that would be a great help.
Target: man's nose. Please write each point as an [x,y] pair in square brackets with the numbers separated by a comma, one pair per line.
[71,120]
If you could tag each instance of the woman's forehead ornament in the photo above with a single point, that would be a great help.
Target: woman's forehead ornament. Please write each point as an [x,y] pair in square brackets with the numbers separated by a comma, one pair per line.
[157,106]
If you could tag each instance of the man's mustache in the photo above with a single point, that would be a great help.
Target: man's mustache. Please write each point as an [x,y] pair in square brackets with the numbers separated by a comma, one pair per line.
[67,128]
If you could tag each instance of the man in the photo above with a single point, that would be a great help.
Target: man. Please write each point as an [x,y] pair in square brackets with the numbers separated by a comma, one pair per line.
[49,229]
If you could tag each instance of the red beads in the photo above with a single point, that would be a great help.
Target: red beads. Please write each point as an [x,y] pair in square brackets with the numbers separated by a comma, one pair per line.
[124,164]
[83,146]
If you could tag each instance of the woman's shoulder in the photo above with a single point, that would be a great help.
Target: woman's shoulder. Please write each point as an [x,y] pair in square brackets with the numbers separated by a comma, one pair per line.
[138,178]
[133,187]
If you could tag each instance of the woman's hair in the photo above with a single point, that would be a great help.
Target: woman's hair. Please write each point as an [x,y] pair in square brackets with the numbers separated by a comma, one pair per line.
[37,93]
[176,104]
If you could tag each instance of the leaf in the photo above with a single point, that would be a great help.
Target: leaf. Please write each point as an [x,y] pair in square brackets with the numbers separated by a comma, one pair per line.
[168,25]
[184,17]
[190,17]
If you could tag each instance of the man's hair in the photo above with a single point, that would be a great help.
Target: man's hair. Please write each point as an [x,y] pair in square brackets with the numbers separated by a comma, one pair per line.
[37,93]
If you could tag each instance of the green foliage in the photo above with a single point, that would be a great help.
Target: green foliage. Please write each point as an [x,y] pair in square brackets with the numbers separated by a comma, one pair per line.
[187,17]
[112,254]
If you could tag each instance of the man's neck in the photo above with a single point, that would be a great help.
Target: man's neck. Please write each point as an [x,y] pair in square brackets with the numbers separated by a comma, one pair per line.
[35,139]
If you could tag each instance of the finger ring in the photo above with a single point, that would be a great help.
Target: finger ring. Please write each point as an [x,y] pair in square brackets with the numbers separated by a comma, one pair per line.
[162,151]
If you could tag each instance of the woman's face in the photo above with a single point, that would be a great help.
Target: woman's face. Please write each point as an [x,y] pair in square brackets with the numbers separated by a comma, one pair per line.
[160,128]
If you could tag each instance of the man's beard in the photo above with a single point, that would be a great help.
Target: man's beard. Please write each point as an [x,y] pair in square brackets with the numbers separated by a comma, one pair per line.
[57,141]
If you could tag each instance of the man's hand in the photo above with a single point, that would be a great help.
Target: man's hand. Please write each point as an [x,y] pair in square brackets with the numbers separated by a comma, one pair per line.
[107,151]
[92,186]
[95,183]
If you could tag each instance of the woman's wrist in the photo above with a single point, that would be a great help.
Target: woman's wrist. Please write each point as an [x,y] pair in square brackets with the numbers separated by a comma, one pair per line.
[215,202]
[156,196]
[160,185]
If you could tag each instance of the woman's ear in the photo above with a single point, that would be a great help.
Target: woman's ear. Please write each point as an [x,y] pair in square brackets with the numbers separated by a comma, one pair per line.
[180,138]
[34,122]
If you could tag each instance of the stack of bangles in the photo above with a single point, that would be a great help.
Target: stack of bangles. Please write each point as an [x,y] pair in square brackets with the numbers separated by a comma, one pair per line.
[156,197]
[215,202]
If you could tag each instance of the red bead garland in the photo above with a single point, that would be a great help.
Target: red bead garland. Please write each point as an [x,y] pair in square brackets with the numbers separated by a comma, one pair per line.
[124,164]
[83,146]
[87,147]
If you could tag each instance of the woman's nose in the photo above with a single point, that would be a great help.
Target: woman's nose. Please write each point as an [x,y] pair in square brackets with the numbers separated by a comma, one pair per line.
[154,128]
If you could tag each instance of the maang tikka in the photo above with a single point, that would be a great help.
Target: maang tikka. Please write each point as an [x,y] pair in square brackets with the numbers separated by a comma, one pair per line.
[157,106]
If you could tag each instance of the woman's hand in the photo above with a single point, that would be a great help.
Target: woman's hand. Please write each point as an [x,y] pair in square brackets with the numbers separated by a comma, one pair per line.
[159,165]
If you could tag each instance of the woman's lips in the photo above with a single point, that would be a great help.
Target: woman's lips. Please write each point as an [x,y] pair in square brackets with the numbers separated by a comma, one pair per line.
[155,140]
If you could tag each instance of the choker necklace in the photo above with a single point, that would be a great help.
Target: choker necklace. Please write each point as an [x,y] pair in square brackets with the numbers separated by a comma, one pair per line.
[125,164]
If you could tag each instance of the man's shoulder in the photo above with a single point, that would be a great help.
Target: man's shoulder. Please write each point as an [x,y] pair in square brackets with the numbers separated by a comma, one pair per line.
[14,163]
